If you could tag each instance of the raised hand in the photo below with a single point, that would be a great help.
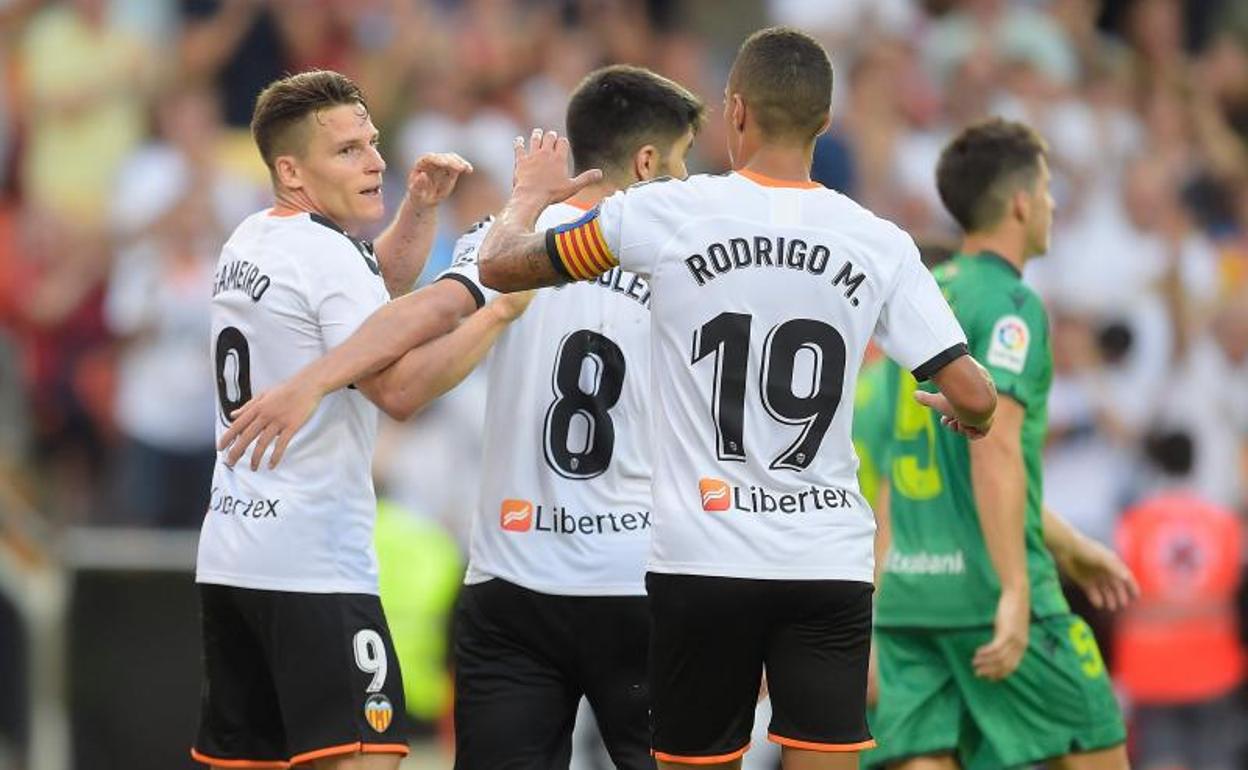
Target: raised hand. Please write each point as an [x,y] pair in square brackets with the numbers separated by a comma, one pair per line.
[433,177]
[542,169]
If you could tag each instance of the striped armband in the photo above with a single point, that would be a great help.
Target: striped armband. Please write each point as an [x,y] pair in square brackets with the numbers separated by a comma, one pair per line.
[578,249]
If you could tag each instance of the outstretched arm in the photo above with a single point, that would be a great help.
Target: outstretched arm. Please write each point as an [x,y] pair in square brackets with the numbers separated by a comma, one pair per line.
[397,327]
[432,369]
[1103,576]
[403,248]
[513,257]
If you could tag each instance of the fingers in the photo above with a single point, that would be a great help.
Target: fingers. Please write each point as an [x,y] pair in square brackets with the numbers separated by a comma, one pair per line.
[535,140]
[997,659]
[242,418]
[243,442]
[583,180]
[517,145]
[280,449]
[262,445]
[445,162]
[933,401]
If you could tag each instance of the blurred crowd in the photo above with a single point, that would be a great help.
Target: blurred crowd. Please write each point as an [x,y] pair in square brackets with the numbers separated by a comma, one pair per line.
[125,162]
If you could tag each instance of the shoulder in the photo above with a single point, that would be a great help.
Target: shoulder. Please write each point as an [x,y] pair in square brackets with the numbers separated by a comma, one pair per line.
[464,252]
[320,246]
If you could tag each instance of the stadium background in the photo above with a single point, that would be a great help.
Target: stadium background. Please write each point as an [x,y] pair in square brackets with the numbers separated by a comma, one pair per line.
[125,162]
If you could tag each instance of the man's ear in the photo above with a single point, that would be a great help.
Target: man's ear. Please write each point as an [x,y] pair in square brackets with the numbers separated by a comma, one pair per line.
[287,172]
[1020,206]
[827,123]
[646,162]
[738,109]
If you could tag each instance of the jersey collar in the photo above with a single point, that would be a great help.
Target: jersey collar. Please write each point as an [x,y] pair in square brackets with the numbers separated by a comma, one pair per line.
[992,256]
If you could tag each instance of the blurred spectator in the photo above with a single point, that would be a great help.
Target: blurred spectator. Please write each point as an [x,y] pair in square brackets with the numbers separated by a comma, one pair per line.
[84,86]
[1177,652]
[173,209]
[1206,399]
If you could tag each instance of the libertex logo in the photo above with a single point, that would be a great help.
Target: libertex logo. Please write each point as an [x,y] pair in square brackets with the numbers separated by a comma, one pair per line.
[516,515]
[719,495]
[716,494]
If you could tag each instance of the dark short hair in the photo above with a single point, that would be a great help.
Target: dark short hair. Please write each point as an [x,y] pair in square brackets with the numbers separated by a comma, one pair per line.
[983,166]
[1173,452]
[785,76]
[283,104]
[619,109]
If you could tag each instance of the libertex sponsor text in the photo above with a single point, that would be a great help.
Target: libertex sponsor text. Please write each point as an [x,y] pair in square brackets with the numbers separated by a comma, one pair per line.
[515,515]
[719,495]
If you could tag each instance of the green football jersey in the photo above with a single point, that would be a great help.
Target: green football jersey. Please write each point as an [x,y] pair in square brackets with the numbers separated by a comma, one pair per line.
[873,412]
[938,573]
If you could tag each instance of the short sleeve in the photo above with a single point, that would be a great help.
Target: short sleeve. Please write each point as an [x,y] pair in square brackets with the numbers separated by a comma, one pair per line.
[624,229]
[344,286]
[1009,337]
[465,267]
[917,329]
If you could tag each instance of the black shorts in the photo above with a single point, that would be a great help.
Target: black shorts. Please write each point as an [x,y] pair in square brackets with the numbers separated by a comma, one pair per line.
[523,660]
[290,678]
[711,639]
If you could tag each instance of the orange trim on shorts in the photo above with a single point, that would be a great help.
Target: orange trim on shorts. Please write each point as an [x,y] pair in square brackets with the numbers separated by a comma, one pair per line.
[793,743]
[350,748]
[253,764]
[702,760]
[771,181]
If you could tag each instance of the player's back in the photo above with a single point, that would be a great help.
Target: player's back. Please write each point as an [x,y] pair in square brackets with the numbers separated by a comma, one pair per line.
[565,501]
[765,295]
[938,570]
[287,289]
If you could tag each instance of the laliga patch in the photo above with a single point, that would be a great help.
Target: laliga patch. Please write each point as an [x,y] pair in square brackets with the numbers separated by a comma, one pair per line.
[1007,348]
[378,712]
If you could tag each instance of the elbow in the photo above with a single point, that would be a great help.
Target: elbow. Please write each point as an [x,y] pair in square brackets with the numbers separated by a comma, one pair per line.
[398,408]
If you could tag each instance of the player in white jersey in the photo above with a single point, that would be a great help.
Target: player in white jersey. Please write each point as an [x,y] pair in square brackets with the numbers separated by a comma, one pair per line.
[299,667]
[765,291]
[554,607]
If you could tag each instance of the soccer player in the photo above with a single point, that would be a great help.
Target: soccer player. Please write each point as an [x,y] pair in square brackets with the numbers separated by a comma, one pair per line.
[555,604]
[981,663]
[299,666]
[765,289]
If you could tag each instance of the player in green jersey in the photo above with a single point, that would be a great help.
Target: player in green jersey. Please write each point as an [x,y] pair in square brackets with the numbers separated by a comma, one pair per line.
[981,663]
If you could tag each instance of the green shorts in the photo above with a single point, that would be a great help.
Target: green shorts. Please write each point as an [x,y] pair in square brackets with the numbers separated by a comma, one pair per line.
[1059,700]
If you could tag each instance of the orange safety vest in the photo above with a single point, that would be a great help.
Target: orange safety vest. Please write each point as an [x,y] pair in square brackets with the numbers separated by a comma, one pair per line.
[1179,642]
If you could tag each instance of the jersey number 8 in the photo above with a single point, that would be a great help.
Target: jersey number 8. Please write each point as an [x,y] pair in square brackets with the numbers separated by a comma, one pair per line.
[588,380]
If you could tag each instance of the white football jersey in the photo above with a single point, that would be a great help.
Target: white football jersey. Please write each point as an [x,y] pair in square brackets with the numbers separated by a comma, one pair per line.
[765,295]
[287,290]
[565,498]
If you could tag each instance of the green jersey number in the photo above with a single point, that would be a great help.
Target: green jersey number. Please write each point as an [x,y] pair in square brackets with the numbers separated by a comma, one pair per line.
[914,468]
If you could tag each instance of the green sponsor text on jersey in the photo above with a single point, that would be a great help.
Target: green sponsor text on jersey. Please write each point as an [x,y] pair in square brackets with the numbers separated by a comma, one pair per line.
[938,573]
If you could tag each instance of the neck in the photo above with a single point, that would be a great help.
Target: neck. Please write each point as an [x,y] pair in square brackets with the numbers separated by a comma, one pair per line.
[288,202]
[781,161]
[1008,246]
